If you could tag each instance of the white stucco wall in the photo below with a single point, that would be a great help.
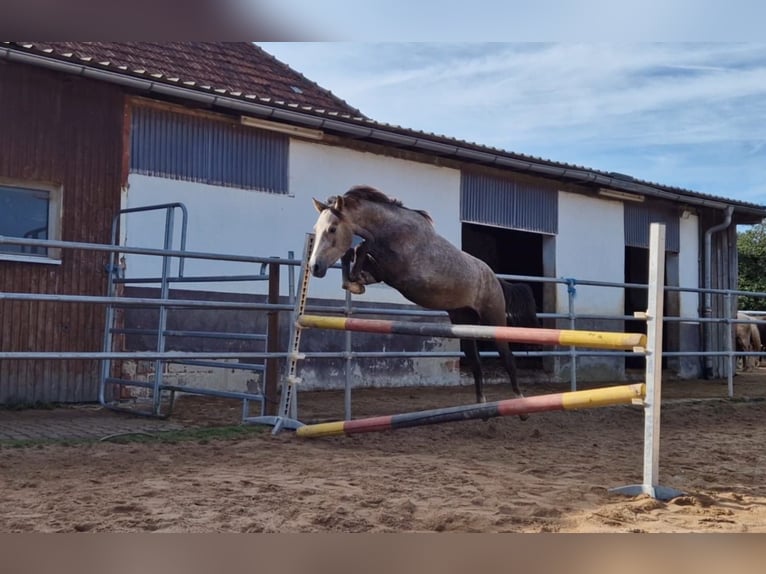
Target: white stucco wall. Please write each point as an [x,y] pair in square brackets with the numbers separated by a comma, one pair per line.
[688,263]
[322,171]
[221,220]
[590,245]
[235,221]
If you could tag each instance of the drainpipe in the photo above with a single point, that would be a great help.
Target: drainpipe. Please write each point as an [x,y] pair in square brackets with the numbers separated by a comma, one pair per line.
[707,310]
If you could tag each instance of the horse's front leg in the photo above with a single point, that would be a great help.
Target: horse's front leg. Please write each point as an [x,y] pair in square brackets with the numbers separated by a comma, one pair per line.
[361,268]
[350,276]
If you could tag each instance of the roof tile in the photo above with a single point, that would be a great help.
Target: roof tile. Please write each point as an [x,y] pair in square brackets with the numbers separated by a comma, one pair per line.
[246,71]
[225,67]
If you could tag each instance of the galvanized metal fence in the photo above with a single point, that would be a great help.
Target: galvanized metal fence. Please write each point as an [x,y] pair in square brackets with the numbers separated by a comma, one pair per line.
[268,362]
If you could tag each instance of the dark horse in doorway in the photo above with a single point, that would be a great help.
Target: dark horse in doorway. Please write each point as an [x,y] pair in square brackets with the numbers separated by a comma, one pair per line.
[401,248]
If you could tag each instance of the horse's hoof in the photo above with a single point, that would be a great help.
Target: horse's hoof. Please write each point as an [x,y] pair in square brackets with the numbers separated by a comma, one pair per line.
[522,416]
[354,288]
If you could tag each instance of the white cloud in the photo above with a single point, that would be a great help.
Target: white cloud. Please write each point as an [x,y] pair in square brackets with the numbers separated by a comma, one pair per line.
[577,103]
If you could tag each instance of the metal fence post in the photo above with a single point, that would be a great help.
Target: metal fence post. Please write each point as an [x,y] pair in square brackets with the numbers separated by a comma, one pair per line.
[732,362]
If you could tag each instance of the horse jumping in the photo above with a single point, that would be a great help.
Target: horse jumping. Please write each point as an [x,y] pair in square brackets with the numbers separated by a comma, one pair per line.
[402,249]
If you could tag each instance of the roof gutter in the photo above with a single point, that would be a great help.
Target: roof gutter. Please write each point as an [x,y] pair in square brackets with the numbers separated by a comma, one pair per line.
[358,131]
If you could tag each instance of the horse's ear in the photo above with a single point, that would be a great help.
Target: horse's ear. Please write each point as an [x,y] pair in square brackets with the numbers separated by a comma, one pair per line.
[318,205]
[338,204]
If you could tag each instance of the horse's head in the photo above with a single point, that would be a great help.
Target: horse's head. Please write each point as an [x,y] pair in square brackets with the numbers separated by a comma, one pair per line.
[333,235]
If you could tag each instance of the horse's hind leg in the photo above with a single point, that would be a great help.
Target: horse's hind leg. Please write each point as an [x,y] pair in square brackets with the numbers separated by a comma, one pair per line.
[470,350]
[509,362]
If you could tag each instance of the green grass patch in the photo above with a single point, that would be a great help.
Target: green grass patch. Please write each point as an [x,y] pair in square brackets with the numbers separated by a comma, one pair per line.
[201,435]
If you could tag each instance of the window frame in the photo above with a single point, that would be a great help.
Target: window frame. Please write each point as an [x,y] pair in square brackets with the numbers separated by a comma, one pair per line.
[55,195]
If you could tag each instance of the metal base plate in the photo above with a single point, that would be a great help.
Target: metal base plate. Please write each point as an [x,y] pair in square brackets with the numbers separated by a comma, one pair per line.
[658,492]
[279,423]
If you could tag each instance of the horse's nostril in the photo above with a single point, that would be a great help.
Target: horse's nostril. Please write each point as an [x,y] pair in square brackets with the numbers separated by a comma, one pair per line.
[317,270]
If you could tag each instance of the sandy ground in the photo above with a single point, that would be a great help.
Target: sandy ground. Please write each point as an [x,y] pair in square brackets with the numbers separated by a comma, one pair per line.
[550,473]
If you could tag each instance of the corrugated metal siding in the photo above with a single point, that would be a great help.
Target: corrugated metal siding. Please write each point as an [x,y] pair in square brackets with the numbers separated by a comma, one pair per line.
[66,131]
[191,148]
[724,275]
[637,220]
[507,203]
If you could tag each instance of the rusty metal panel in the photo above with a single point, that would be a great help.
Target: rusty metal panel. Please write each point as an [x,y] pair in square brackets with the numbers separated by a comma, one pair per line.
[187,147]
[638,216]
[508,203]
[65,131]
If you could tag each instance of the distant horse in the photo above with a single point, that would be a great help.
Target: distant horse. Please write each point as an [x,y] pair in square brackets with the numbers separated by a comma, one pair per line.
[402,249]
[748,339]
[520,305]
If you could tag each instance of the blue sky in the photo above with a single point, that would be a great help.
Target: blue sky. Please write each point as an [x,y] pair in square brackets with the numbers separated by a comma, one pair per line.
[691,115]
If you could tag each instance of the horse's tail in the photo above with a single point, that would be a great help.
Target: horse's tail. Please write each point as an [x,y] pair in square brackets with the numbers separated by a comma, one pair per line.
[520,307]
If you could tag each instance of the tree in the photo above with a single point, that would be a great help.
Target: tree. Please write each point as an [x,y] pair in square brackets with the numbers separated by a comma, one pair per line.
[751,247]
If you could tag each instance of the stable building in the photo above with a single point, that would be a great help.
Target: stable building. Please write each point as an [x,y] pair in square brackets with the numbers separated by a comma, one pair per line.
[94,130]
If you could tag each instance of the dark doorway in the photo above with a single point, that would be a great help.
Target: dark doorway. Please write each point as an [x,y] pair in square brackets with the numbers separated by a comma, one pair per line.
[509,252]
[637,299]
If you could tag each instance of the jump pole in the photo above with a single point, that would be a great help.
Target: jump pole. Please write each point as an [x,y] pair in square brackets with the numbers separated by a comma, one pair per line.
[625,394]
[563,337]
[649,393]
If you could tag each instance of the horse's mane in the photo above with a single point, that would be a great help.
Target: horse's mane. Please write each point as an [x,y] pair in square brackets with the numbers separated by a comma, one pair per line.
[367,193]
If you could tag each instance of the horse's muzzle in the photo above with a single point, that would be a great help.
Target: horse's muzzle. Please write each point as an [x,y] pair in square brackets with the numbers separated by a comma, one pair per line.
[318,270]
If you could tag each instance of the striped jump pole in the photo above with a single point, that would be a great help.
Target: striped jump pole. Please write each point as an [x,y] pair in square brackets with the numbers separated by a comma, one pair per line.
[648,394]
[563,337]
[625,394]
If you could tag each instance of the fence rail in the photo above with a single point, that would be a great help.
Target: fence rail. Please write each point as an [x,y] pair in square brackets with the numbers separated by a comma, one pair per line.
[268,267]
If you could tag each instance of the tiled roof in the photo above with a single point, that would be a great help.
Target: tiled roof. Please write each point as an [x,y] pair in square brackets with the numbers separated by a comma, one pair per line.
[560,170]
[238,69]
[244,71]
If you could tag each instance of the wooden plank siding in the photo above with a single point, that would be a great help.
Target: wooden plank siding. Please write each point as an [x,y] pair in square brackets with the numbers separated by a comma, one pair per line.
[62,130]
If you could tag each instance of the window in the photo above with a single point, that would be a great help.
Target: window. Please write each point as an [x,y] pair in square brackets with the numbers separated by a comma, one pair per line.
[29,212]
[191,148]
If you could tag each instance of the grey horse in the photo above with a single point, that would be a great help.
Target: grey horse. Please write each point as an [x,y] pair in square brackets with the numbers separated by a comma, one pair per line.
[402,249]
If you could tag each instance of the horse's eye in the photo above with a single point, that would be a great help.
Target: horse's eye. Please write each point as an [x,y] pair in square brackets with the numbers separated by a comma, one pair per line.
[332,229]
